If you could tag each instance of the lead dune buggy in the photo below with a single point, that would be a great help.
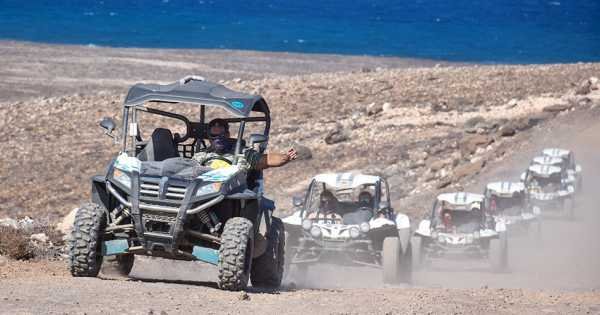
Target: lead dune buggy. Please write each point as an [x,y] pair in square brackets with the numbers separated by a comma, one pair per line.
[355,232]
[507,201]
[568,158]
[459,228]
[548,189]
[155,200]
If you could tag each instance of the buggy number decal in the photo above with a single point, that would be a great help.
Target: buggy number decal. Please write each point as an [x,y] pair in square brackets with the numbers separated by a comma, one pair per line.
[237,104]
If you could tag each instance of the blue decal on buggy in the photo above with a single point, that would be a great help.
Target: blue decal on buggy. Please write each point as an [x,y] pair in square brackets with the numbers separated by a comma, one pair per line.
[128,163]
[237,104]
[220,174]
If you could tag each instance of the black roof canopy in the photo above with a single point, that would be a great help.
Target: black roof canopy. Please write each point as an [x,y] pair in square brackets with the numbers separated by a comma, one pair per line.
[196,90]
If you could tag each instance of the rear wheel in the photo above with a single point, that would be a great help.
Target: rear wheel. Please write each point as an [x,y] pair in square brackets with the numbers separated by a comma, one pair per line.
[391,260]
[498,253]
[267,269]
[535,231]
[235,254]
[406,269]
[417,251]
[85,244]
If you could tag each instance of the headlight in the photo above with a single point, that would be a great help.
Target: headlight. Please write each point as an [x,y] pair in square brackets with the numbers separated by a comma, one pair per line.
[476,235]
[434,234]
[354,232]
[122,178]
[365,227]
[469,238]
[307,224]
[315,231]
[208,189]
[441,238]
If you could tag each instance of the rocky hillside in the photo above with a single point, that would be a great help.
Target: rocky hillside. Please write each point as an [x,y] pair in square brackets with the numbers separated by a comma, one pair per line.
[425,129]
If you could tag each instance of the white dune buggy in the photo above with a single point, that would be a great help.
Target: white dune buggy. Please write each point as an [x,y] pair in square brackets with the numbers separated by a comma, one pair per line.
[349,231]
[507,201]
[548,189]
[459,228]
[568,158]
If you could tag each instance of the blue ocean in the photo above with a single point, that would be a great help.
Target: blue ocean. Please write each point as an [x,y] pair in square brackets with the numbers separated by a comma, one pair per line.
[487,31]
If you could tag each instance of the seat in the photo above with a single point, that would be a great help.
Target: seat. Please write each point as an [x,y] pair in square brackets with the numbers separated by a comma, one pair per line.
[160,147]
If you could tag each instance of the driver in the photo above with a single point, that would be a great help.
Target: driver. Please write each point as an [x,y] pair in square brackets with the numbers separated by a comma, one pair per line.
[222,149]
[327,208]
[365,200]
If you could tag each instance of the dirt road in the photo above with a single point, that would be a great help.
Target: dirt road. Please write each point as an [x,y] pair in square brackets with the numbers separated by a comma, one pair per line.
[564,266]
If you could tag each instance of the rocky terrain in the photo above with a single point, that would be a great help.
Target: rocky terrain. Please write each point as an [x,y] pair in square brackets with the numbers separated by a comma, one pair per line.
[426,128]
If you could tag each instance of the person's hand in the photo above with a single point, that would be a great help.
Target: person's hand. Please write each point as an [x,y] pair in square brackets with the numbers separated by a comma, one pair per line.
[291,154]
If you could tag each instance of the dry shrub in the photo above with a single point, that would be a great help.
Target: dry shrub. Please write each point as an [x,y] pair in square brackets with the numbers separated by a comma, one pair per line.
[15,244]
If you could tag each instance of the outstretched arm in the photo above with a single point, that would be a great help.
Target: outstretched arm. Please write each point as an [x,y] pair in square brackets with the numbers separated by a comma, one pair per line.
[276,159]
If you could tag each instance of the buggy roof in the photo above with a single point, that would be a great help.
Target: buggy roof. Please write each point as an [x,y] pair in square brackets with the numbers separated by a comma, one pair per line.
[346,180]
[556,152]
[505,189]
[544,170]
[460,200]
[196,90]
[547,160]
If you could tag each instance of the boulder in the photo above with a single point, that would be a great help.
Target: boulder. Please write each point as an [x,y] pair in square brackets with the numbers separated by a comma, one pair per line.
[336,135]
[471,124]
[470,144]
[40,238]
[66,225]
[584,87]
[304,152]
[557,108]
[507,131]
[374,109]
[468,169]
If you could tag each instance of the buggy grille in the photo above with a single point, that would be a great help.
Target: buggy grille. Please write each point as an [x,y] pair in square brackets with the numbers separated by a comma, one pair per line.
[151,193]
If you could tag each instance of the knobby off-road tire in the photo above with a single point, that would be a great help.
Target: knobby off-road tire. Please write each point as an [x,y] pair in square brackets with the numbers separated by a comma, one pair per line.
[406,269]
[235,254]
[85,244]
[416,247]
[498,253]
[267,269]
[391,259]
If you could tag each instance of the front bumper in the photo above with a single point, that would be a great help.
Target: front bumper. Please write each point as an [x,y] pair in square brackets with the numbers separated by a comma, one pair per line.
[350,252]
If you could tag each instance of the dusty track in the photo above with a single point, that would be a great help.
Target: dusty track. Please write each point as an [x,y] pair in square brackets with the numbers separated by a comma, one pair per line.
[565,266]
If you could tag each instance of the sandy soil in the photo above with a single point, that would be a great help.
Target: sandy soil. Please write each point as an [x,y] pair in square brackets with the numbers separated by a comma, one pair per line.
[428,107]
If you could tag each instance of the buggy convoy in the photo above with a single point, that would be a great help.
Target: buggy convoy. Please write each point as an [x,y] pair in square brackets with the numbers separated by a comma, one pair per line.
[457,228]
[155,200]
[507,201]
[347,219]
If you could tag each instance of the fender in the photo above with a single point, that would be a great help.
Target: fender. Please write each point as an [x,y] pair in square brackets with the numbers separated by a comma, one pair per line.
[100,195]
[424,228]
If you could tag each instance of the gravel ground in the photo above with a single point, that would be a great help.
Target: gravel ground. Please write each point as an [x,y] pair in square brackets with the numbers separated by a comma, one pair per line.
[419,138]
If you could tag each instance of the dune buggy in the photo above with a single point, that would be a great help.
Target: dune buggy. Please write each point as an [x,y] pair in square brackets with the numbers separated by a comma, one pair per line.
[573,170]
[359,228]
[459,228]
[507,201]
[155,200]
[548,189]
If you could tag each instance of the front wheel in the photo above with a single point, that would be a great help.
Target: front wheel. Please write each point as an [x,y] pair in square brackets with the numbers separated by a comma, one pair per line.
[391,259]
[498,253]
[235,254]
[85,244]
[416,247]
[267,269]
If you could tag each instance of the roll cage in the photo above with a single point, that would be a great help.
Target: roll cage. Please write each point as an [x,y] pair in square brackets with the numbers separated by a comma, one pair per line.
[195,91]
[381,189]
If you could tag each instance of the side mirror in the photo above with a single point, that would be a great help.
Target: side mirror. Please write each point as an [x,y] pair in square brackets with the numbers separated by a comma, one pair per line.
[297,201]
[257,138]
[109,125]
[523,176]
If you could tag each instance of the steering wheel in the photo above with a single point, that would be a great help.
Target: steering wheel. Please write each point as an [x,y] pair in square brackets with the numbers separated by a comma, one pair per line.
[213,158]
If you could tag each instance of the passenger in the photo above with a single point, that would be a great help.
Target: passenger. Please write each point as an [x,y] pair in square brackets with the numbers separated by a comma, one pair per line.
[327,211]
